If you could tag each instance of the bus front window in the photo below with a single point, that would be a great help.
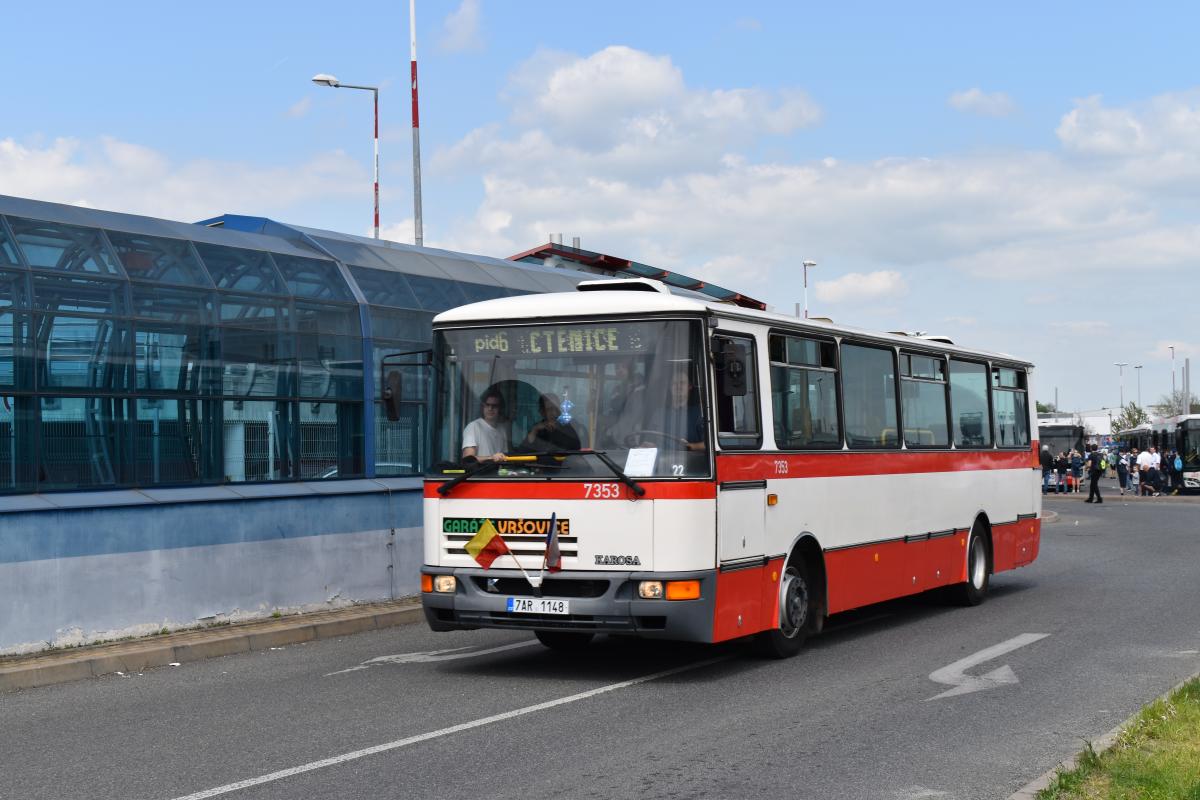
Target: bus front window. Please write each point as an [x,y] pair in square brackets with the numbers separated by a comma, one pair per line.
[631,389]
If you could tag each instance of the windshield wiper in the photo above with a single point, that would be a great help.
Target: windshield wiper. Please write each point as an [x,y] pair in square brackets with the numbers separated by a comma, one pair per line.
[633,485]
[484,466]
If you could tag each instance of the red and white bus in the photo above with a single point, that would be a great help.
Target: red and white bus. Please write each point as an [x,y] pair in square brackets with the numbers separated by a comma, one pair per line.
[712,472]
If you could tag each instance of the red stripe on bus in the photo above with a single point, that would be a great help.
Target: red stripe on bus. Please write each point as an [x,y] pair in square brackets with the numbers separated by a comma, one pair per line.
[873,573]
[571,490]
[759,466]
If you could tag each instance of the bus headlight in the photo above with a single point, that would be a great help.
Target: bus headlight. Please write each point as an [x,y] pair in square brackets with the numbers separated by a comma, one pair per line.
[650,590]
[446,584]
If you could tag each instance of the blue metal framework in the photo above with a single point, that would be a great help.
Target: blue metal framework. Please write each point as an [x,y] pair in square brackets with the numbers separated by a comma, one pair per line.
[140,352]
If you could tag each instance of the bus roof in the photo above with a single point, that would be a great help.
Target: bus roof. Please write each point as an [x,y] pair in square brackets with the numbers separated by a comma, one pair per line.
[648,300]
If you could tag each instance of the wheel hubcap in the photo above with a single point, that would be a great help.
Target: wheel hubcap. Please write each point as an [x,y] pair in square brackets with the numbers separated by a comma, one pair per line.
[793,604]
[978,563]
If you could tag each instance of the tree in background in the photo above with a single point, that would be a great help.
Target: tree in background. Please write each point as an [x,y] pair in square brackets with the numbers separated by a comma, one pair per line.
[1046,408]
[1170,404]
[1131,416]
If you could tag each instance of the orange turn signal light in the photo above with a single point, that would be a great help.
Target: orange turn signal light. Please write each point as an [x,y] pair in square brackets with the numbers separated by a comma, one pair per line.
[426,583]
[683,590]
[772,499]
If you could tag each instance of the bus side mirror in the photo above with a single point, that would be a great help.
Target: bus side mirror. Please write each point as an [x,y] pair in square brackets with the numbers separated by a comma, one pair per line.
[391,395]
[731,370]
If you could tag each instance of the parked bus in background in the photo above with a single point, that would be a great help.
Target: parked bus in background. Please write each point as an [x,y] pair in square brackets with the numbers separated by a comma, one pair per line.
[1180,434]
[1061,438]
[678,468]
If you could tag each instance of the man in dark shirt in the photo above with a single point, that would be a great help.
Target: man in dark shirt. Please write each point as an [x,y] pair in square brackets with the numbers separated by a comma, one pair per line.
[1094,472]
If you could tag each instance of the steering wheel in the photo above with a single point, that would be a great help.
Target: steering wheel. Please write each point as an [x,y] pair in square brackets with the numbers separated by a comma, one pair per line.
[635,438]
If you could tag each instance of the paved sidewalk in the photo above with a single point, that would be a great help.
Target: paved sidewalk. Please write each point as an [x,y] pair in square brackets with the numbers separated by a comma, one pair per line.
[60,666]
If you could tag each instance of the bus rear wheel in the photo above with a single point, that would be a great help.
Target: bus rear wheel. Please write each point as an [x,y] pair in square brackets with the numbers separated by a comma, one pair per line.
[795,615]
[564,641]
[972,591]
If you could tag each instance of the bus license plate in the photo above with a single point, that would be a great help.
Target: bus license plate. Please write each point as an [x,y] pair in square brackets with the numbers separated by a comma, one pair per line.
[537,605]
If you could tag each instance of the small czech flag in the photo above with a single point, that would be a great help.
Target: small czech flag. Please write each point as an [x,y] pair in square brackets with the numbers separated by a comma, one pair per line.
[553,556]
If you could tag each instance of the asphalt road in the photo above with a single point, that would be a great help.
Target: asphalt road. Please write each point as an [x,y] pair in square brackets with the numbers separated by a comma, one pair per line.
[1115,595]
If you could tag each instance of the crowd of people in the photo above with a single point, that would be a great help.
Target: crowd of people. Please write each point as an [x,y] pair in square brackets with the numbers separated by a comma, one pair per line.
[1147,473]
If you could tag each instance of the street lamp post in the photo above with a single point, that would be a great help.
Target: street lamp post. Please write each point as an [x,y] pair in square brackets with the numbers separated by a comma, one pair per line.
[1121,365]
[1172,348]
[807,264]
[323,79]
[1138,367]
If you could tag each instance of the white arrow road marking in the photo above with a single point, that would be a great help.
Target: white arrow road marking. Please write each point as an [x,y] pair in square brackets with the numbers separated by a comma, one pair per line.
[452,654]
[955,674]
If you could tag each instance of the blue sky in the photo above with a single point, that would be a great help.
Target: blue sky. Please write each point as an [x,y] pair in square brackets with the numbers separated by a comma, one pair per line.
[1021,177]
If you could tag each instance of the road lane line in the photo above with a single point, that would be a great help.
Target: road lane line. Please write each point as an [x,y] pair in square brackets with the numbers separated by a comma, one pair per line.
[424,737]
[433,656]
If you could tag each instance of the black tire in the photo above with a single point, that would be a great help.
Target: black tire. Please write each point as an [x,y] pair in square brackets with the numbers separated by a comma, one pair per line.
[797,612]
[564,641]
[979,568]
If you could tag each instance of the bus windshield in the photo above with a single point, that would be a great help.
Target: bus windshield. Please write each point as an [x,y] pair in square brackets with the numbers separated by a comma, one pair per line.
[632,389]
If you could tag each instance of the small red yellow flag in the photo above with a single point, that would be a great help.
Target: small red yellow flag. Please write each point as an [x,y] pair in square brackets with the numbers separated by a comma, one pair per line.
[486,545]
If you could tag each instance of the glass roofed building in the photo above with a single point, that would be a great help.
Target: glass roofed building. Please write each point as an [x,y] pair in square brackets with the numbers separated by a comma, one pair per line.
[142,352]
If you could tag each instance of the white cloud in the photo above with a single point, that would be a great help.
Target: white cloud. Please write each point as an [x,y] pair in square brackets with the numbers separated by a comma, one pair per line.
[622,113]
[748,24]
[977,101]
[1092,128]
[299,108]
[856,286]
[961,320]
[125,176]
[1162,352]
[460,30]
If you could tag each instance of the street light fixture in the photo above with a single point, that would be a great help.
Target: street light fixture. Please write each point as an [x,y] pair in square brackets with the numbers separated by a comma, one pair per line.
[807,264]
[324,79]
[1121,365]
[1138,367]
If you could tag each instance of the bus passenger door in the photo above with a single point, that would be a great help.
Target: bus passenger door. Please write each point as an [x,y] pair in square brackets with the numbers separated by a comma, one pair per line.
[741,504]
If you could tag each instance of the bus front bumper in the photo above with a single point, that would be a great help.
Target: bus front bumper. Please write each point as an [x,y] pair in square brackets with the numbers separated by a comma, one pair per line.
[598,602]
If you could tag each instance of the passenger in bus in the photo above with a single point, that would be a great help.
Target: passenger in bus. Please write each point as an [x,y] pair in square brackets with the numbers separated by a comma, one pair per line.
[485,439]
[550,434]
[685,420]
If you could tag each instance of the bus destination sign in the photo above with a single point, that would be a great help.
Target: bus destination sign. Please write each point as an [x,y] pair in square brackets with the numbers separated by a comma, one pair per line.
[566,340]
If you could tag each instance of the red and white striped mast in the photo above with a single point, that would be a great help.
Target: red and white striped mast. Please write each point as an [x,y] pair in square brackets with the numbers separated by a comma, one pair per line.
[418,238]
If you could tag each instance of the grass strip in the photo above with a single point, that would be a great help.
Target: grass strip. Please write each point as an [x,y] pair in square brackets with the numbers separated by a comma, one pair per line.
[1155,757]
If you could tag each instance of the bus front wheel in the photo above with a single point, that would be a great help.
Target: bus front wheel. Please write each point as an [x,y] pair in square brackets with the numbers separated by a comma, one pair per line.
[564,641]
[795,615]
[972,591]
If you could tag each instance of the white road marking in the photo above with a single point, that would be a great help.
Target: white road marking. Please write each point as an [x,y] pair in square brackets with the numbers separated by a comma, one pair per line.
[452,654]
[955,674]
[424,737]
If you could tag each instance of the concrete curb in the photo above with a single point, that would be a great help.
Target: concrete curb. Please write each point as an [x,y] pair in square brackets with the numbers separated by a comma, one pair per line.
[1029,791]
[45,669]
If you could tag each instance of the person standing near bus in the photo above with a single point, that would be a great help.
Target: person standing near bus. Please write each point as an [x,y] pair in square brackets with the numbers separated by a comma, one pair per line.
[1156,470]
[1047,466]
[1123,470]
[1095,470]
[1144,460]
[485,439]
[1077,469]
[1060,466]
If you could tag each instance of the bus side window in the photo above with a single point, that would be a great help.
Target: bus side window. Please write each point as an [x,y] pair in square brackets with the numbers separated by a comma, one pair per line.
[738,426]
